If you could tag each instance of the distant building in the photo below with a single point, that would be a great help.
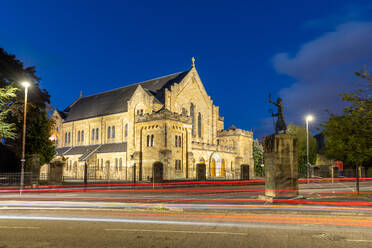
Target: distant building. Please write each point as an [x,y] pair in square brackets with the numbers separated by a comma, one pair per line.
[170,121]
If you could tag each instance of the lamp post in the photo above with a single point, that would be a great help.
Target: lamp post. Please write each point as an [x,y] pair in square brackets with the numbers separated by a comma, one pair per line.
[262,170]
[25,85]
[308,119]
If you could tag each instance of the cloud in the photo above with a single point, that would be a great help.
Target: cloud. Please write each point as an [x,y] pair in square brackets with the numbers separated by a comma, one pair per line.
[345,13]
[323,68]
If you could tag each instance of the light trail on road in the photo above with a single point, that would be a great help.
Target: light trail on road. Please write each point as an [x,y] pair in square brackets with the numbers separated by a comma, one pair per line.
[207,219]
[206,200]
[150,184]
[120,205]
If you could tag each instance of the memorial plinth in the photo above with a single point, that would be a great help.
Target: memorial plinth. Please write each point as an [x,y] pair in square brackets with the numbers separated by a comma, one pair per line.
[281,169]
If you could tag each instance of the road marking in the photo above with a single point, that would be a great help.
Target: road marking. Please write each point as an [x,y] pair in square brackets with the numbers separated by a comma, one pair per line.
[173,231]
[19,227]
[358,240]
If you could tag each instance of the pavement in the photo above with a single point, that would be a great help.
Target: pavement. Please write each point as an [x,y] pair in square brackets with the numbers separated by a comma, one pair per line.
[323,215]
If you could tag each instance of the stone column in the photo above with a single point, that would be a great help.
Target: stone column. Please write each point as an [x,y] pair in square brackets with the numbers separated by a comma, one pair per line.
[281,169]
[55,176]
[33,166]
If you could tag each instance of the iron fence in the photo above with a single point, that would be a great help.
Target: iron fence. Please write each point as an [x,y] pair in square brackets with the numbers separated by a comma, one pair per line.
[14,179]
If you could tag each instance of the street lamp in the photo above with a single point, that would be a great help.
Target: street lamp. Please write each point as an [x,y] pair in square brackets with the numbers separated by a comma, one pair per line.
[308,119]
[262,168]
[26,85]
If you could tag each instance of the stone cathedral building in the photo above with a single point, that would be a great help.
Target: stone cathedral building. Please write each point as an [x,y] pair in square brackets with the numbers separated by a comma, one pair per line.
[168,121]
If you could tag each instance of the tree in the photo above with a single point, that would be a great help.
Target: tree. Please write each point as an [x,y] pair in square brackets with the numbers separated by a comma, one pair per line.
[349,136]
[38,133]
[7,130]
[300,132]
[258,152]
[12,72]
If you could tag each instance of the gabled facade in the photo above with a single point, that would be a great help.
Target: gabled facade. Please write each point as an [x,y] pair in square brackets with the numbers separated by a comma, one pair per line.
[169,120]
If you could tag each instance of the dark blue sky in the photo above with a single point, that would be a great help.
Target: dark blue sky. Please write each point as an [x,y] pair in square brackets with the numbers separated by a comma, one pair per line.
[243,49]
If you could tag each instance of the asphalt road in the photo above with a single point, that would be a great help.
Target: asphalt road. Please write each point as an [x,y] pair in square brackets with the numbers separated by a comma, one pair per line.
[102,228]
[224,216]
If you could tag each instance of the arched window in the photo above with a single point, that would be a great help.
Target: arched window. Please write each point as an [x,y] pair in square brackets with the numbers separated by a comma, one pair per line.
[199,125]
[108,132]
[148,140]
[113,131]
[126,130]
[93,134]
[192,107]
[82,136]
[175,140]
[101,164]
[179,141]
[116,164]
[152,140]
[69,137]
[177,164]
[78,136]
[66,141]
[96,133]
[120,164]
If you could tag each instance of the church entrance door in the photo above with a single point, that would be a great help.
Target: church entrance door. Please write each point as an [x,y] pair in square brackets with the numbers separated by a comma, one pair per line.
[157,172]
[201,172]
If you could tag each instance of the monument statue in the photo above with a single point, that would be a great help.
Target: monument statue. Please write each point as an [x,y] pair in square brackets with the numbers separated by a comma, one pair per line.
[280,126]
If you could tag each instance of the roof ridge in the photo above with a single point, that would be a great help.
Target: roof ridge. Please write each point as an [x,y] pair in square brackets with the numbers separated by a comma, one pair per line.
[138,83]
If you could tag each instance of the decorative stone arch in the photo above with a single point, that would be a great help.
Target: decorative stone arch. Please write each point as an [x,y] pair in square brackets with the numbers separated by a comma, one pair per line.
[192,115]
[138,108]
[213,168]
[223,168]
[216,165]
[201,160]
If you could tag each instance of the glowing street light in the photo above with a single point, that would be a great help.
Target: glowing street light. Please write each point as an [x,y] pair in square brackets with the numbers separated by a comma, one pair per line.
[308,119]
[26,85]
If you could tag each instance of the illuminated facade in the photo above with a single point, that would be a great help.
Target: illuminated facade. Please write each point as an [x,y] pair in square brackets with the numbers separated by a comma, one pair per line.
[169,121]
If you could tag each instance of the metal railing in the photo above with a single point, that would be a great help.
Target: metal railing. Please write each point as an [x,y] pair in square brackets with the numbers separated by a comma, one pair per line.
[14,179]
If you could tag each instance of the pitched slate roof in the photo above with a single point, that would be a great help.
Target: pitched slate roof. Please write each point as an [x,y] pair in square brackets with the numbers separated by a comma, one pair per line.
[77,150]
[115,101]
[61,151]
[113,147]
[87,151]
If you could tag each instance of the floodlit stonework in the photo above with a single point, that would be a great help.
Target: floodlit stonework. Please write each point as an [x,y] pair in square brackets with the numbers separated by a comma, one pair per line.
[169,120]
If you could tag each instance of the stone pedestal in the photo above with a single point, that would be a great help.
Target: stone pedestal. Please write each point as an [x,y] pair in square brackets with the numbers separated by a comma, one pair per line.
[281,169]
[55,176]
[32,166]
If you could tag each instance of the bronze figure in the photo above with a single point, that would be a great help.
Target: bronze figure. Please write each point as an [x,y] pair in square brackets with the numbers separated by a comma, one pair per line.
[280,126]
